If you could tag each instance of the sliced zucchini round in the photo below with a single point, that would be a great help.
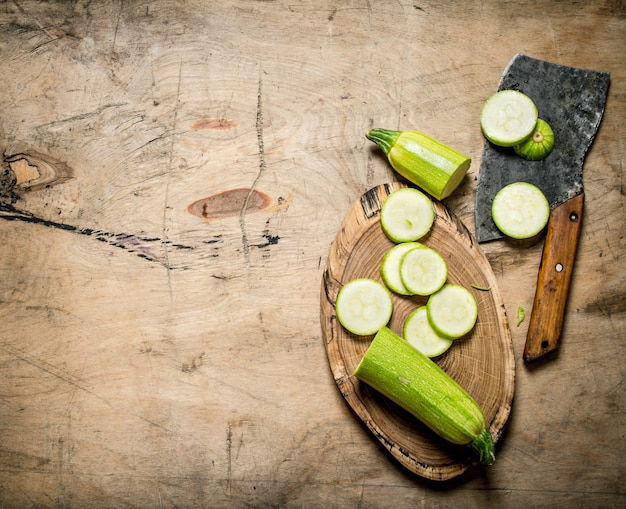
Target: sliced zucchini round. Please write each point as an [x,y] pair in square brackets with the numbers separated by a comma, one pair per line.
[419,333]
[363,306]
[508,118]
[520,210]
[423,270]
[407,215]
[452,311]
[390,267]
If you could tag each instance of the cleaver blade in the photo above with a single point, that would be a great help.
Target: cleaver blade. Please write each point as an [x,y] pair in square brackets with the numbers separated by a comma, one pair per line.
[572,101]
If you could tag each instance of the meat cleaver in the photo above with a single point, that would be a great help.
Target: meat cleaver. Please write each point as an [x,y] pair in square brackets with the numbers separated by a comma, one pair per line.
[572,101]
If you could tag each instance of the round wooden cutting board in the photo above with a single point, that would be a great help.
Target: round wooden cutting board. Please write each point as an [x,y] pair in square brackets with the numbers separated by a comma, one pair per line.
[482,362]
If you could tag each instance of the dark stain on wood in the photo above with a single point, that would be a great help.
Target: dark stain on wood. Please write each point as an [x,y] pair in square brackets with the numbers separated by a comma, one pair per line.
[32,171]
[229,203]
[143,247]
[7,185]
[194,364]
[270,240]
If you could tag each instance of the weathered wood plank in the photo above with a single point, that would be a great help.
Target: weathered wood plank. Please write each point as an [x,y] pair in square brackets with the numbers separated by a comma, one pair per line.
[150,357]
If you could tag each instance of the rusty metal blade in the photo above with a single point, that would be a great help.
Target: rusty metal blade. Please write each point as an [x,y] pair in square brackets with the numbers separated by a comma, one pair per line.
[572,101]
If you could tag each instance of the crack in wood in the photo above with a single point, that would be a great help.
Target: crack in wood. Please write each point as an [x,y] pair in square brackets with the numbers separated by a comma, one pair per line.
[262,169]
[138,245]
[169,173]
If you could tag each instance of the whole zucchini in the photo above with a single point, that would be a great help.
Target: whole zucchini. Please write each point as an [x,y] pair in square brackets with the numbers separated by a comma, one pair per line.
[435,167]
[406,376]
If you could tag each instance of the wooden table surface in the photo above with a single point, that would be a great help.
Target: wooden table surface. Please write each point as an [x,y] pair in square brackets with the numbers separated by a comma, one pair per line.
[180,170]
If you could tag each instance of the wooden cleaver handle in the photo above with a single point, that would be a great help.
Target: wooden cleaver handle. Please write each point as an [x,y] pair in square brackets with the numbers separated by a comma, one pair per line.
[553,281]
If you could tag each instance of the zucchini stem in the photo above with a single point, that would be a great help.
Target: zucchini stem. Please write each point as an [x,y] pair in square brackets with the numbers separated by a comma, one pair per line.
[384,138]
[483,446]
[538,136]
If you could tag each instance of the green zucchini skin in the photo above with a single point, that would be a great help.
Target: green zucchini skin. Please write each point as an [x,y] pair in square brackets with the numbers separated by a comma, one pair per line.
[539,144]
[406,376]
[429,164]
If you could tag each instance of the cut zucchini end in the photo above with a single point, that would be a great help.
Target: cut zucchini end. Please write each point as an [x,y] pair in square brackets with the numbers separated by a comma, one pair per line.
[420,334]
[484,448]
[508,118]
[407,215]
[452,311]
[539,144]
[363,306]
[455,179]
[520,210]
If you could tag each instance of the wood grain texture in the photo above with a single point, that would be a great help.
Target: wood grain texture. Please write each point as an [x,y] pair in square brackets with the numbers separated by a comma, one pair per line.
[554,278]
[151,358]
[481,362]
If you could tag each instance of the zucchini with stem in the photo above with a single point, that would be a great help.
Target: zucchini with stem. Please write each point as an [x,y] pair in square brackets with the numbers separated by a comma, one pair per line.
[429,164]
[410,379]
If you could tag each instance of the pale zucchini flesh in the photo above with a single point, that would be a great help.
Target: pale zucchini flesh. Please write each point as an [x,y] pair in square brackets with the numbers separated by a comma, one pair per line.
[413,381]
[423,270]
[407,215]
[363,306]
[508,118]
[390,267]
[419,333]
[452,311]
[520,210]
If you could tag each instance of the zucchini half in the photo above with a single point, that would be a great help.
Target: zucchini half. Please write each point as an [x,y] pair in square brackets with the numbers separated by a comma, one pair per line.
[406,376]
